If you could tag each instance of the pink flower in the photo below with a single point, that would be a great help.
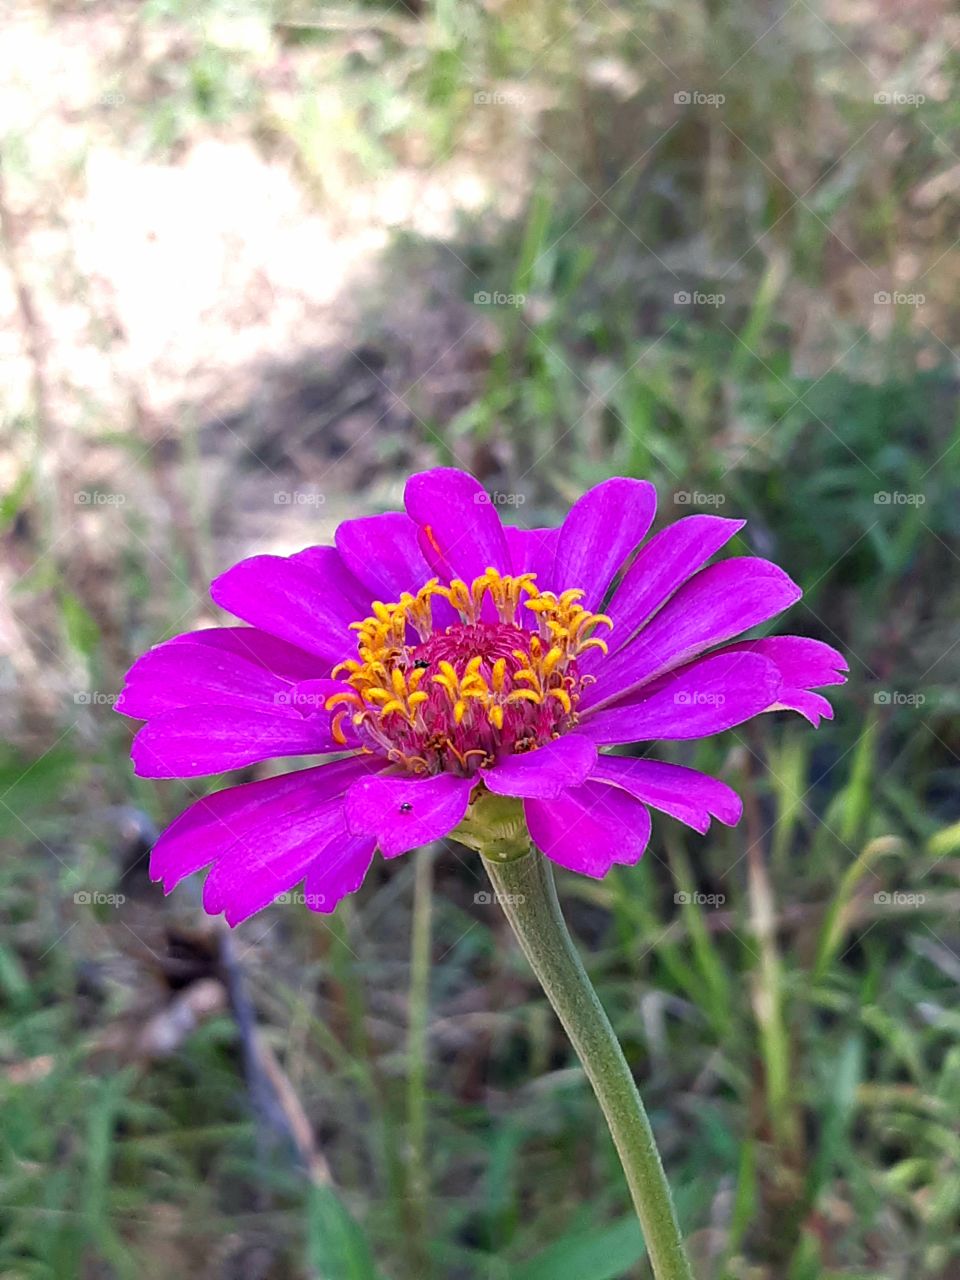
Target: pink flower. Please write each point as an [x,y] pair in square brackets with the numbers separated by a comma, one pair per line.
[442,656]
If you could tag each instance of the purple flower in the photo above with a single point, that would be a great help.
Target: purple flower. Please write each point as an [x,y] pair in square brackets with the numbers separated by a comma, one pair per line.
[442,657]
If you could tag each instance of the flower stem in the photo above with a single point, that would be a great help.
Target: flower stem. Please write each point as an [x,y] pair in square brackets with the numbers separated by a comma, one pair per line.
[526,892]
[417,1047]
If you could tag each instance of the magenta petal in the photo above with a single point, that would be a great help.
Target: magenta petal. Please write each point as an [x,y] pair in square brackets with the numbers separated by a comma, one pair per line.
[184,674]
[600,532]
[804,664]
[406,812]
[685,794]
[534,551]
[263,650]
[291,600]
[352,596]
[662,566]
[461,534]
[812,706]
[706,697]
[720,602]
[383,552]
[309,699]
[338,870]
[309,840]
[540,775]
[267,862]
[265,867]
[328,564]
[191,742]
[332,873]
[214,824]
[590,828]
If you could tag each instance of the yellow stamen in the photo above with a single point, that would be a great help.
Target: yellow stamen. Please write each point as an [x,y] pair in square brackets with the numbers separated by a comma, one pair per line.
[336,731]
[563,698]
[336,699]
[528,695]
[388,684]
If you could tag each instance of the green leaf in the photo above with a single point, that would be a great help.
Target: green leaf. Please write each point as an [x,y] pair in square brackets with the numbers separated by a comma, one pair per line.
[83,634]
[604,1254]
[11,502]
[337,1249]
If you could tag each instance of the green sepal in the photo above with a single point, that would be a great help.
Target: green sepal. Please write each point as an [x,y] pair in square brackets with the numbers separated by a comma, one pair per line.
[494,826]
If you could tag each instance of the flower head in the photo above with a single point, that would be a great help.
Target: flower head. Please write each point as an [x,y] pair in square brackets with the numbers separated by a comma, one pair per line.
[483,681]
[447,660]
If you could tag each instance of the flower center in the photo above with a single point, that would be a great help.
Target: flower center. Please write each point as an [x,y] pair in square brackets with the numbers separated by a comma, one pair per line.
[456,677]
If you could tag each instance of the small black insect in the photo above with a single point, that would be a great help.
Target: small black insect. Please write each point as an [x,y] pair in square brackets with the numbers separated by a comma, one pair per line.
[421,664]
[406,808]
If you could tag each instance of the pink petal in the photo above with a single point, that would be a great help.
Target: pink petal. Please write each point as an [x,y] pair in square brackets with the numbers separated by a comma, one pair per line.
[294,601]
[706,697]
[191,742]
[405,812]
[546,772]
[267,862]
[309,837]
[184,674]
[328,564]
[662,566]
[309,699]
[340,869]
[716,604]
[590,828]
[685,794]
[812,706]
[601,530]
[216,823]
[460,531]
[383,552]
[804,664]
[263,650]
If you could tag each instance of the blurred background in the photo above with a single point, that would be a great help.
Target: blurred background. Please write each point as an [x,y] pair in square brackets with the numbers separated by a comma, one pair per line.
[259,259]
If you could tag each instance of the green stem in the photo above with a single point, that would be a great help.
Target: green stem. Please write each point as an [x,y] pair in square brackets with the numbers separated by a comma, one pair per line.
[417,1027]
[526,891]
